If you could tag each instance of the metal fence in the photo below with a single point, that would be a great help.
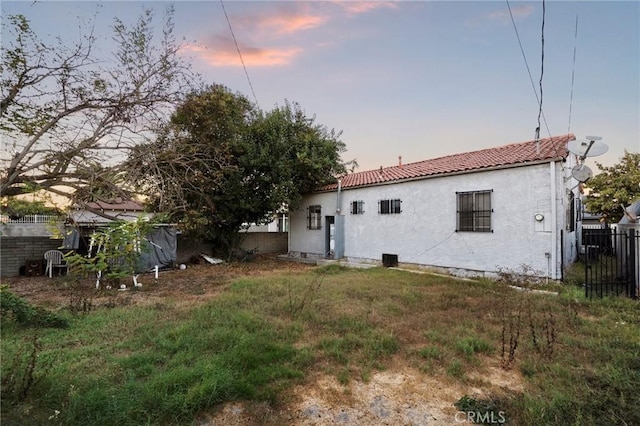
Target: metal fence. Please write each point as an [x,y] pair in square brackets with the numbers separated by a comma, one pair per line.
[612,262]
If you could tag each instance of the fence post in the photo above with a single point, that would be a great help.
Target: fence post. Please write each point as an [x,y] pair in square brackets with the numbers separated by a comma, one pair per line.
[632,265]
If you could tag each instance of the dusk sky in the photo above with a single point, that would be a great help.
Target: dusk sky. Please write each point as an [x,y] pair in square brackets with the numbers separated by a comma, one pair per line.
[420,79]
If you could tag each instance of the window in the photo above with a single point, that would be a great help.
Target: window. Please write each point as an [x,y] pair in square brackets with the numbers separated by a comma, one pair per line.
[389,206]
[314,219]
[474,211]
[357,207]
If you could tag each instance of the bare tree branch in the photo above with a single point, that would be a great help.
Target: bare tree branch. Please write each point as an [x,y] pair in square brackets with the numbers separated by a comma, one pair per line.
[69,117]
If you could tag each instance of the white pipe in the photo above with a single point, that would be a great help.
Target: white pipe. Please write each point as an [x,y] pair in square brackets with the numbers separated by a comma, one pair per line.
[338,206]
[554,220]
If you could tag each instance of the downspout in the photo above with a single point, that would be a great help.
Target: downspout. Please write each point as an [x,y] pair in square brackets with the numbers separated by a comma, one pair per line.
[338,206]
[554,220]
[339,225]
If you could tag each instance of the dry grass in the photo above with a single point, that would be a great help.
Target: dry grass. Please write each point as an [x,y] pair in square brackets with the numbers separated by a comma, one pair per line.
[357,333]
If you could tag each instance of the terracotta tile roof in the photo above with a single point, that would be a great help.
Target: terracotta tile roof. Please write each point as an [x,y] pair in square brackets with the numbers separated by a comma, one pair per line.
[516,154]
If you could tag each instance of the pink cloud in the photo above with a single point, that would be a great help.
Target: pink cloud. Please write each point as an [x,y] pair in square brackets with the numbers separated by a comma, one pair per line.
[518,12]
[291,23]
[227,56]
[262,29]
[358,7]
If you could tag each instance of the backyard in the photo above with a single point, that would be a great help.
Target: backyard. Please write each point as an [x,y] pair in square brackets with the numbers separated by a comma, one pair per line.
[270,342]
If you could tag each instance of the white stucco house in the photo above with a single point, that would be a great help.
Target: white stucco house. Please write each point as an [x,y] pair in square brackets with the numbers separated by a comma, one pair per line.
[475,213]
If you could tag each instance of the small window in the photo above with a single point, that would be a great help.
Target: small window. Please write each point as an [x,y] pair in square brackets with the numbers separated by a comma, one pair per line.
[474,211]
[357,207]
[314,220]
[389,206]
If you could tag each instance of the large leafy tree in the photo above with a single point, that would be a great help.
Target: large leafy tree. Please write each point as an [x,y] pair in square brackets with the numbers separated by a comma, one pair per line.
[614,187]
[222,163]
[69,115]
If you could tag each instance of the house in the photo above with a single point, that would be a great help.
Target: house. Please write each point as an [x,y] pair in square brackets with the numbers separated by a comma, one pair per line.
[475,213]
[117,209]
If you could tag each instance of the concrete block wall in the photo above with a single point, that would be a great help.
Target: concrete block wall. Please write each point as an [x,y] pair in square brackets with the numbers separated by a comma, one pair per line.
[266,242]
[15,251]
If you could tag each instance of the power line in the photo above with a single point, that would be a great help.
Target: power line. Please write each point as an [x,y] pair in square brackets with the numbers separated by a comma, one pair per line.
[239,54]
[541,112]
[541,72]
[573,72]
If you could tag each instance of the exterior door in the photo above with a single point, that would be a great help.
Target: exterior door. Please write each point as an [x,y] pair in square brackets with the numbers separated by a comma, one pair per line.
[330,236]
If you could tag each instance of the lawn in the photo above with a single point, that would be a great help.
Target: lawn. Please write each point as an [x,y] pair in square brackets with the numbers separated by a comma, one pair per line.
[268,334]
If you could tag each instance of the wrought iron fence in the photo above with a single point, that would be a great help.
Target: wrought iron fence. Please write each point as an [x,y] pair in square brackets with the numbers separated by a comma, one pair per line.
[612,260]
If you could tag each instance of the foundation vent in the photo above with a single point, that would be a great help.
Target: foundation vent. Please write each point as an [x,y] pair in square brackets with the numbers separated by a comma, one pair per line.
[389,260]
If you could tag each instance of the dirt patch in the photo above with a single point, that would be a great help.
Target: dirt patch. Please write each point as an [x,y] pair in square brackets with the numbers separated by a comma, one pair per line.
[399,396]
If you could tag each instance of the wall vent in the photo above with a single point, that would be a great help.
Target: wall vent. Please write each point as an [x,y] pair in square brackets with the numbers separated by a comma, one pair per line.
[389,260]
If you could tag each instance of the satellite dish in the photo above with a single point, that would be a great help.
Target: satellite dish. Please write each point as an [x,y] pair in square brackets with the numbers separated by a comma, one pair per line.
[588,148]
[581,173]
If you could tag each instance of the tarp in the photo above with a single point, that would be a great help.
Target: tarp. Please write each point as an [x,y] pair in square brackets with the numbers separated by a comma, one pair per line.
[634,209]
[160,249]
[71,238]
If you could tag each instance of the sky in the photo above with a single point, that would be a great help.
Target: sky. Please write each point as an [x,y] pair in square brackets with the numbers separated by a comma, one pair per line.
[417,79]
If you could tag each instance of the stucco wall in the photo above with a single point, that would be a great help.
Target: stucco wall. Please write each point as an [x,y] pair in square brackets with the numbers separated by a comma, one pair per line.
[425,232]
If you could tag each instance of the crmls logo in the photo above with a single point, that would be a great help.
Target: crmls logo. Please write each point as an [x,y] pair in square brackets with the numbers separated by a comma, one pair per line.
[487,417]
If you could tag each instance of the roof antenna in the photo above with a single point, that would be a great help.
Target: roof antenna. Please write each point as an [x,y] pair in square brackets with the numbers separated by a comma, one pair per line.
[538,140]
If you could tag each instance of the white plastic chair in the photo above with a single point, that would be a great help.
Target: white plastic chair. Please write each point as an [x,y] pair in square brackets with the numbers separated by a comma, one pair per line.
[55,259]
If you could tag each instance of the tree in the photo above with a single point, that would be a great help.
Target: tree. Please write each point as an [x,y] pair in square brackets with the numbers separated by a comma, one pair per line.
[222,163]
[115,250]
[615,186]
[16,208]
[69,116]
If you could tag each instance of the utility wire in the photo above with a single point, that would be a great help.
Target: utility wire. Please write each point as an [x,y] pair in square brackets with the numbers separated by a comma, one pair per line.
[573,73]
[239,54]
[541,72]
[528,69]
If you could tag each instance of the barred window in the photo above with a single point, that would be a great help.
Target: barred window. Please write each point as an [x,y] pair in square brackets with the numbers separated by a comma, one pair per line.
[389,206]
[357,207]
[474,211]
[314,218]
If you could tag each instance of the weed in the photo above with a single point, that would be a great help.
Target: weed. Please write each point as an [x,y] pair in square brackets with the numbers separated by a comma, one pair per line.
[448,300]
[472,345]
[455,369]
[430,352]
[296,303]
[511,319]
[24,371]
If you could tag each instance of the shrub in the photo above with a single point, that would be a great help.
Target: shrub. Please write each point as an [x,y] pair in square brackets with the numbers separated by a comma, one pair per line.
[15,308]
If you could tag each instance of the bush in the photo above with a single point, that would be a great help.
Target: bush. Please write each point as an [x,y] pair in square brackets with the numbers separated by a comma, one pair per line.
[15,308]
